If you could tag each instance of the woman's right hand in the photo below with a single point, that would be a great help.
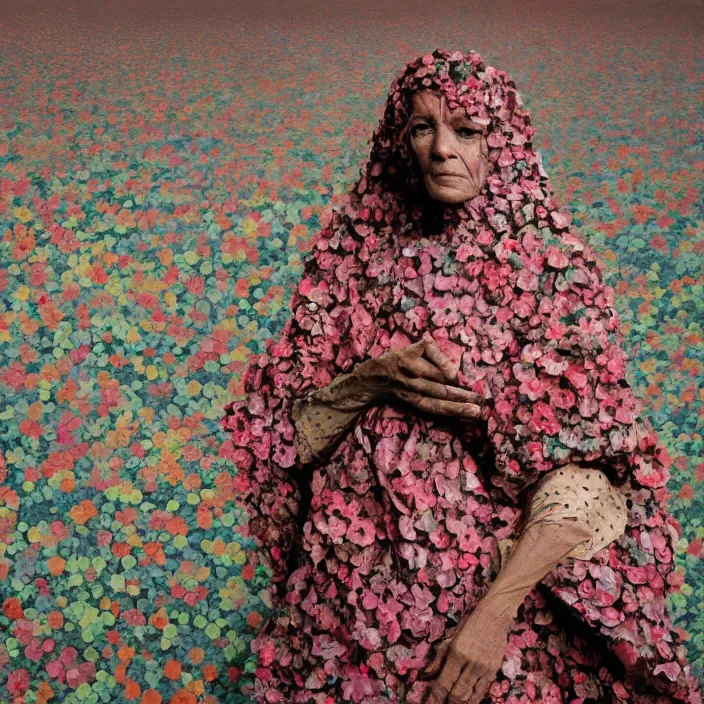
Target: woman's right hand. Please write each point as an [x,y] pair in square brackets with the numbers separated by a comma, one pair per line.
[418,374]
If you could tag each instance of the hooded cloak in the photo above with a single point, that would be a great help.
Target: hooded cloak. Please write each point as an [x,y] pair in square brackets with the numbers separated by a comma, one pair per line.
[377,553]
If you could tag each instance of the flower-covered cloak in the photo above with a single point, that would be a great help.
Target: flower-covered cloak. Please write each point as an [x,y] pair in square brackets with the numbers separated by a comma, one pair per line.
[506,285]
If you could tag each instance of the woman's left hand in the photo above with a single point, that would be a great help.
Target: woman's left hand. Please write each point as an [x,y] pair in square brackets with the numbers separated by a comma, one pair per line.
[474,655]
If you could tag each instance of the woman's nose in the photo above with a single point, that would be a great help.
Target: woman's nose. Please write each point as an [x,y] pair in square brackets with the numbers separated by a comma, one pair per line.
[443,144]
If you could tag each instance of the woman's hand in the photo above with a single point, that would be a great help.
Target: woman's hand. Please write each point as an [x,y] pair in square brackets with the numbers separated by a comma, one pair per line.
[418,374]
[474,655]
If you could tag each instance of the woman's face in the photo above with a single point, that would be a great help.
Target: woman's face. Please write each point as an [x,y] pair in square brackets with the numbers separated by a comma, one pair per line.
[451,150]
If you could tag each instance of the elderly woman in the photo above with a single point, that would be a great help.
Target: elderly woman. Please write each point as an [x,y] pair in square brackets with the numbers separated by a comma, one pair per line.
[450,477]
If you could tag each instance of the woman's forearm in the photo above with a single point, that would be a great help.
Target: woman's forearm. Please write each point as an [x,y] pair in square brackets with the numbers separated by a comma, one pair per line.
[324,416]
[574,512]
[541,547]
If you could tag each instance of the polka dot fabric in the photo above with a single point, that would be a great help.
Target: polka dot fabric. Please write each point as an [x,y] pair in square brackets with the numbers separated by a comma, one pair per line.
[330,412]
[579,494]
[378,552]
[588,497]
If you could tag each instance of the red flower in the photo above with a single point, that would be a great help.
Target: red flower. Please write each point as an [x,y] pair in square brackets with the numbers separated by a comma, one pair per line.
[12,608]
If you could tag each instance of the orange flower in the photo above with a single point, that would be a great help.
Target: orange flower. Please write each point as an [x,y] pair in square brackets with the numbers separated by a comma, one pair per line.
[183,696]
[44,693]
[51,315]
[242,288]
[24,246]
[204,516]
[223,221]
[55,620]
[160,619]
[210,672]
[196,686]
[56,565]
[299,231]
[113,637]
[132,690]
[176,526]
[82,513]
[196,655]
[172,669]
[125,653]
[686,492]
[155,551]
[120,549]
[148,219]
[9,497]
[253,619]
[192,481]
[151,696]
[68,484]
[30,429]
[658,242]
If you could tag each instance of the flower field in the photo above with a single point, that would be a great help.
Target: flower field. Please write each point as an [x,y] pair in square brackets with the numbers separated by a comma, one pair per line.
[163,171]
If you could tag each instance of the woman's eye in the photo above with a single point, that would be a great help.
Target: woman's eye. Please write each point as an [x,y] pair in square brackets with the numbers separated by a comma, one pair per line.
[466,132]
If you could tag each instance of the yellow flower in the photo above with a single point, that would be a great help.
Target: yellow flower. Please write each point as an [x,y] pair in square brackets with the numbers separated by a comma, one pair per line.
[250,227]
[23,214]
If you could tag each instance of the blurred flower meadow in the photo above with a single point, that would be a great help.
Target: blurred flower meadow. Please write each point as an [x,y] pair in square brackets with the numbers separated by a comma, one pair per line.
[158,192]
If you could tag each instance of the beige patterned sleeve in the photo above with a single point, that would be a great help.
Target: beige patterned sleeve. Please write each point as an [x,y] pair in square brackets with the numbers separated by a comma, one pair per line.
[574,493]
[322,417]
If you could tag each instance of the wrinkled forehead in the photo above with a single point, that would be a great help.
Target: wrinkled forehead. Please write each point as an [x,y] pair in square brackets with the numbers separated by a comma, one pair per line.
[430,104]
[430,101]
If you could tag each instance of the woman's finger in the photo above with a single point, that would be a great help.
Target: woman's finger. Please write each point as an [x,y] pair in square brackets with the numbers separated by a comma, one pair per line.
[463,689]
[444,684]
[481,689]
[436,356]
[422,368]
[415,350]
[437,390]
[434,666]
[432,405]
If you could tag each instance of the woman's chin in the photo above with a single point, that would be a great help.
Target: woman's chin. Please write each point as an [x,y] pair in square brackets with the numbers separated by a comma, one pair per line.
[452,196]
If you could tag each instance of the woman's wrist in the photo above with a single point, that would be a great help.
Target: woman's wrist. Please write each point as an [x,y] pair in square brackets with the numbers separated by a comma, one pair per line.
[348,392]
[369,385]
[322,417]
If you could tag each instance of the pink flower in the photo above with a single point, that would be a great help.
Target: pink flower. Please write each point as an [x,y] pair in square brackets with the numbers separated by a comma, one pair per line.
[575,376]
[56,670]
[358,686]
[586,589]
[544,420]
[18,682]
[561,220]
[670,669]
[34,651]
[134,617]
[361,531]
[266,654]
[562,398]
[556,258]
